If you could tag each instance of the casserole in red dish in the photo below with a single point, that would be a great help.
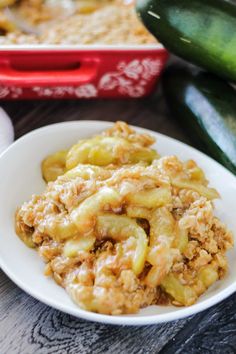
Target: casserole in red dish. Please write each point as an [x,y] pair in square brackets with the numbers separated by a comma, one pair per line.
[79,71]
[100,49]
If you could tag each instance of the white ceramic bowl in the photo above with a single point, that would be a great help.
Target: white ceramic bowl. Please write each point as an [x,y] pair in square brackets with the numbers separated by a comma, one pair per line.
[20,177]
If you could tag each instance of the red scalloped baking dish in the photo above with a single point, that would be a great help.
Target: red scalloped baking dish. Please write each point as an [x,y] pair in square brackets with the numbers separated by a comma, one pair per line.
[79,71]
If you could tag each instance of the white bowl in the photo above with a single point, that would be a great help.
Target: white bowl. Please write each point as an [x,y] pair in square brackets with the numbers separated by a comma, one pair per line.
[20,177]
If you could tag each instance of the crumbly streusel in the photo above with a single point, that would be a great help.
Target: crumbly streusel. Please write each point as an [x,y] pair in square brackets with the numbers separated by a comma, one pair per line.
[94,22]
[186,242]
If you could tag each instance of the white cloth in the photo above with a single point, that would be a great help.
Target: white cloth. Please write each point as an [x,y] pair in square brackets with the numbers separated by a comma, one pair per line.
[6,131]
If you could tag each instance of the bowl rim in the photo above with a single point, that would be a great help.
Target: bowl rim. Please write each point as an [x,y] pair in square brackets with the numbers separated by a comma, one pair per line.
[123,319]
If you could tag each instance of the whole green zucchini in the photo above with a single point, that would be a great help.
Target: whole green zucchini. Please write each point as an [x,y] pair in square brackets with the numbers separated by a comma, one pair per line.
[202,32]
[205,105]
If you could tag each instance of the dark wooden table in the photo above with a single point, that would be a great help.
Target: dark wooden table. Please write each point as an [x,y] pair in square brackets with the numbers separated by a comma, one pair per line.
[28,326]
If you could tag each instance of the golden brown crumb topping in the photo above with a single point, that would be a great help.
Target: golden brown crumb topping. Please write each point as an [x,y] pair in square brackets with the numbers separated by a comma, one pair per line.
[121,228]
[90,22]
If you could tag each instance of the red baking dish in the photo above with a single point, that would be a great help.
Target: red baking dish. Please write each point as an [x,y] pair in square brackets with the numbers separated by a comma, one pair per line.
[41,72]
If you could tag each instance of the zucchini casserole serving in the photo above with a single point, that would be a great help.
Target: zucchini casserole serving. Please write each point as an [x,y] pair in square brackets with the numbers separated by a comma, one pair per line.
[71,22]
[121,228]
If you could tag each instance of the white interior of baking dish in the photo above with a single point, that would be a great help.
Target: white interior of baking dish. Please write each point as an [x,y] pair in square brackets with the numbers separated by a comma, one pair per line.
[92,47]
